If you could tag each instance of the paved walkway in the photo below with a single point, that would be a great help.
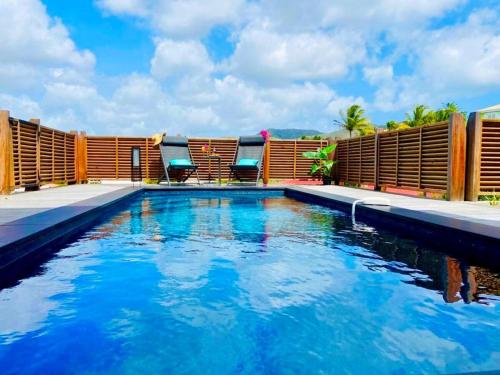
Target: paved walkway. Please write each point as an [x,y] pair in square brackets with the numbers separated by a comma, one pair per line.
[17,206]
[32,221]
[475,217]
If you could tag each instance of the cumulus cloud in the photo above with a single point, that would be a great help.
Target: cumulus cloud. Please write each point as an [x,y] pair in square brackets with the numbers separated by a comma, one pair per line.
[295,63]
[179,18]
[138,8]
[363,15]
[464,55]
[176,58]
[460,60]
[35,46]
[192,18]
[265,55]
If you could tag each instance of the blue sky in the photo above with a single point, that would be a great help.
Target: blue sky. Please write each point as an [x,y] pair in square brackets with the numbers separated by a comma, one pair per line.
[229,67]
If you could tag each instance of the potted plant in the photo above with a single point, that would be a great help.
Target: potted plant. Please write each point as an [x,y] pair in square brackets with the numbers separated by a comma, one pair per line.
[322,165]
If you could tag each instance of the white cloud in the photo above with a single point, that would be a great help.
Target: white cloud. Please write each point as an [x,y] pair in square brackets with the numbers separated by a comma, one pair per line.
[20,105]
[363,15]
[176,58]
[179,18]
[288,69]
[340,103]
[265,55]
[378,74]
[460,60]
[139,8]
[221,107]
[34,46]
[32,36]
[192,18]
[62,94]
[465,55]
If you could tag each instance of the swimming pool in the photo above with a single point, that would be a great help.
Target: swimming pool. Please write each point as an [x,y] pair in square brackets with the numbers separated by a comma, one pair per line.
[247,282]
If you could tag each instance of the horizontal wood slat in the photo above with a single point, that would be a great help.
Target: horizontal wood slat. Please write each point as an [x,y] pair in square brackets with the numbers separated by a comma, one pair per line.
[415,158]
[287,161]
[41,154]
[489,180]
[356,160]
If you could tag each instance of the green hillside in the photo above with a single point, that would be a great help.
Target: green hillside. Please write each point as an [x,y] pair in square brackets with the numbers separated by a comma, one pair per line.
[292,133]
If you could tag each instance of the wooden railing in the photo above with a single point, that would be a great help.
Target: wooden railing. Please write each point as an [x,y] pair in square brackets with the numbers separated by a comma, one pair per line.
[483,157]
[428,158]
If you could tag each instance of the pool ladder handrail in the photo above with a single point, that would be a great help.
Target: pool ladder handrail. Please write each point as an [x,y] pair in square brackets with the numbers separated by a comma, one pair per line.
[370,201]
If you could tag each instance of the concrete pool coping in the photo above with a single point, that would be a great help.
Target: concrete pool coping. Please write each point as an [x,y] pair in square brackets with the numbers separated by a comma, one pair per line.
[44,226]
[41,228]
[458,216]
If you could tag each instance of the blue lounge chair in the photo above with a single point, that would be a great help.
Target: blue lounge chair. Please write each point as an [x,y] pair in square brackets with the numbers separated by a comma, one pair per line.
[247,163]
[177,159]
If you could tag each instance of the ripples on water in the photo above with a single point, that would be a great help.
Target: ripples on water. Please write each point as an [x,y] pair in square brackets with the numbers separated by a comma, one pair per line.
[242,284]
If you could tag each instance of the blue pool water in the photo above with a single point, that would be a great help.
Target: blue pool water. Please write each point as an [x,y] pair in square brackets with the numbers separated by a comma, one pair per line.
[249,284]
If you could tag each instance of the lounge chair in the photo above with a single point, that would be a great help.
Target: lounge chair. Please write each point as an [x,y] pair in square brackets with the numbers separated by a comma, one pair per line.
[177,159]
[248,160]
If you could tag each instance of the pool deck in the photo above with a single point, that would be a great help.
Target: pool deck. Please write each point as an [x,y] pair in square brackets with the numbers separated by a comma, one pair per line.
[35,219]
[472,217]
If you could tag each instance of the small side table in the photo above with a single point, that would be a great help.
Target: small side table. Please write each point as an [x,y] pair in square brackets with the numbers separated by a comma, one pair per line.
[218,158]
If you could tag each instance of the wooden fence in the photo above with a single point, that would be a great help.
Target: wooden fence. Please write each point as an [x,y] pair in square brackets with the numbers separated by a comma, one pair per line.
[446,157]
[32,154]
[109,157]
[483,157]
[427,158]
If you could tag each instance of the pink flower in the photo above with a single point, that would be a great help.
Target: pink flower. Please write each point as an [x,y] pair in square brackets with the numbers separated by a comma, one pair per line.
[265,134]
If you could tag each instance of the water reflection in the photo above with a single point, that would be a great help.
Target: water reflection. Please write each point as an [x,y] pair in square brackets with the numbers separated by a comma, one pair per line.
[430,268]
[194,284]
[25,307]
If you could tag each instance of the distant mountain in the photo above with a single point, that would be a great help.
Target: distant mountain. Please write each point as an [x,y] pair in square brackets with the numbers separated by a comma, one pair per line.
[298,133]
[292,133]
[339,134]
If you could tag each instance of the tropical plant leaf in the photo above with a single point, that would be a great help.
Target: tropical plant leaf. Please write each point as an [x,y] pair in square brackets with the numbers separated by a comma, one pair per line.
[311,155]
[327,167]
[329,149]
[328,163]
[315,168]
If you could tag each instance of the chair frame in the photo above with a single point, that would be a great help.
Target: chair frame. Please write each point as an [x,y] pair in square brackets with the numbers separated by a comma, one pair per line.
[234,168]
[167,168]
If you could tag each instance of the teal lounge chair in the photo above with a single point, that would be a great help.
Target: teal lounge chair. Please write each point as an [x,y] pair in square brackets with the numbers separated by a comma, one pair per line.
[248,160]
[177,159]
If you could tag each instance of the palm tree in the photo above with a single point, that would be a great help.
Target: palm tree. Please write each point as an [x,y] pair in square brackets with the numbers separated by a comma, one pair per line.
[353,118]
[367,129]
[444,113]
[420,115]
[391,125]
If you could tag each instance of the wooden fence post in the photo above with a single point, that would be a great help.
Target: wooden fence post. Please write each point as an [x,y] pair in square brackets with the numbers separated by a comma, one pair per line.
[333,156]
[267,162]
[473,164]
[81,158]
[38,172]
[6,155]
[456,157]
[376,185]
[116,157]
